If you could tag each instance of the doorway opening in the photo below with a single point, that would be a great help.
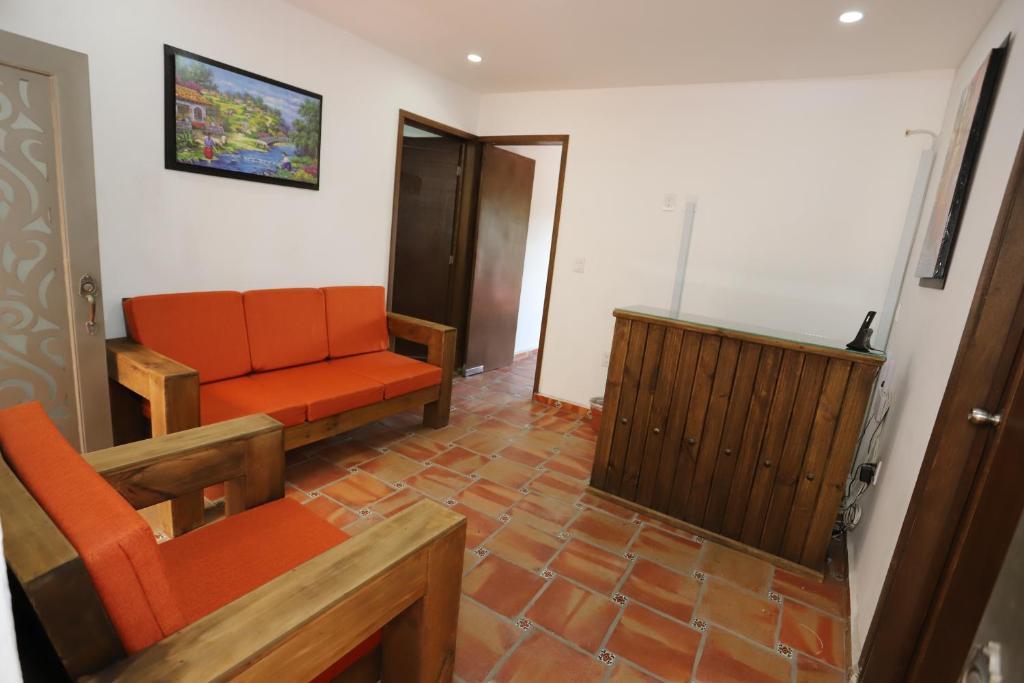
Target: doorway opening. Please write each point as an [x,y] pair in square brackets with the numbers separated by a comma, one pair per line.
[473,239]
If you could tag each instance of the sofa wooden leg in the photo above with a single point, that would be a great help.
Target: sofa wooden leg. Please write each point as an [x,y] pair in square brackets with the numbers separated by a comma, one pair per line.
[435,415]
[418,646]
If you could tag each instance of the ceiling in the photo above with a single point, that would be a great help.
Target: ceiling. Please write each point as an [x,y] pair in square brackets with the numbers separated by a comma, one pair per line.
[563,44]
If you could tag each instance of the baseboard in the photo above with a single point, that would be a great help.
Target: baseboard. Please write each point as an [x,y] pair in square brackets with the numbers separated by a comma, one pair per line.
[567,406]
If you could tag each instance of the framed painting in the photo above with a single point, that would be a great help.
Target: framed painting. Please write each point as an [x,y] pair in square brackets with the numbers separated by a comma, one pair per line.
[957,171]
[224,121]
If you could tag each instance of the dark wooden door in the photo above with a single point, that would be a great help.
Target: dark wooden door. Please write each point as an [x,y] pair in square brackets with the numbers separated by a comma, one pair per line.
[428,190]
[503,216]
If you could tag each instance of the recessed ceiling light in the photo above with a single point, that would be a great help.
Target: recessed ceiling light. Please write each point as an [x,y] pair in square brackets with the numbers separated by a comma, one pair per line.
[475,58]
[851,17]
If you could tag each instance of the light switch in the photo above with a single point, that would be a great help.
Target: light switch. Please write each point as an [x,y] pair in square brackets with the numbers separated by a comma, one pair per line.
[670,202]
[579,265]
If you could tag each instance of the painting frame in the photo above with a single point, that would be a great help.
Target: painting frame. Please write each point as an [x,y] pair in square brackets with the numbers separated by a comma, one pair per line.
[172,130]
[968,134]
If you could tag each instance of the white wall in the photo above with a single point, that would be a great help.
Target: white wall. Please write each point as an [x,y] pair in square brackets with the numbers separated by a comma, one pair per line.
[930,322]
[538,240]
[166,231]
[802,187]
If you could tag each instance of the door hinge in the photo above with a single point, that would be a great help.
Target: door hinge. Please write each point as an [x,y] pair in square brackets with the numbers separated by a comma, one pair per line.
[451,259]
[458,171]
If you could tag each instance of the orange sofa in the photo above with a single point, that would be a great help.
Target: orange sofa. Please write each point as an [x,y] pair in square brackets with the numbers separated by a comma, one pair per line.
[159,603]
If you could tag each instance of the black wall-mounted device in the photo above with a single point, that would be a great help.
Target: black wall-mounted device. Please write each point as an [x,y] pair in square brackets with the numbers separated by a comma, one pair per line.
[862,342]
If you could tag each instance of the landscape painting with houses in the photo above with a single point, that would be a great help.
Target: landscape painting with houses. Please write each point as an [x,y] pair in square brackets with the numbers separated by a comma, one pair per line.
[239,124]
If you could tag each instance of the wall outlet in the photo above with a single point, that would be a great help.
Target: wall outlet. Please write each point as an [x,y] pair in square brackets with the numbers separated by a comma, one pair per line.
[670,202]
[579,265]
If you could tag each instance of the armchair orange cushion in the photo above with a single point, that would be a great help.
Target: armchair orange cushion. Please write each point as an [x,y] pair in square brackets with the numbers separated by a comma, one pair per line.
[203,330]
[399,374]
[115,543]
[356,320]
[151,591]
[286,327]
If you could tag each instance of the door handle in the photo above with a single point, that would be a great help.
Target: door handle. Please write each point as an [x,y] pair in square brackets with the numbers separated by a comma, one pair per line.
[89,290]
[978,416]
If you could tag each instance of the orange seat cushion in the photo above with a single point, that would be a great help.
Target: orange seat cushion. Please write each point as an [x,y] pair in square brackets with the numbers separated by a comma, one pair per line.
[356,320]
[242,396]
[203,330]
[219,563]
[398,374]
[323,388]
[115,543]
[286,327]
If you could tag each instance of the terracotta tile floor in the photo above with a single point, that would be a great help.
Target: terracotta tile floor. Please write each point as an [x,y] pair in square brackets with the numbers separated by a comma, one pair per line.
[562,586]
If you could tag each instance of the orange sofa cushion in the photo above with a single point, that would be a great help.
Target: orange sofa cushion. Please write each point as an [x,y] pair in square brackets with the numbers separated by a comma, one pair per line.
[219,563]
[115,543]
[399,374]
[242,396]
[203,330]
[286,327]
[323,388]
[356,320]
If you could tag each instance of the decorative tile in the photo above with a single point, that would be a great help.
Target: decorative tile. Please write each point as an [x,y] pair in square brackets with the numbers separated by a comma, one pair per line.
[478,525]
[541,657]
[461,460]
[829,595]
[506,473]
[483,638]
[544,513]
[438,482]
[524,624]
[606,657]
[748,614]
[502,586]
[488,497]
[523,545]
[665,548]
[620,599]
[599,528]
[740,568]
[699,624]
[312,474]
[576,614]
[659,645]
[664,590]
[727,658]
[358,490]
[589,565]
[814,633]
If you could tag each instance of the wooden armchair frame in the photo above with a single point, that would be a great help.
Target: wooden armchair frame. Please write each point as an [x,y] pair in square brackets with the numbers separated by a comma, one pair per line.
[172,390]
[402,576]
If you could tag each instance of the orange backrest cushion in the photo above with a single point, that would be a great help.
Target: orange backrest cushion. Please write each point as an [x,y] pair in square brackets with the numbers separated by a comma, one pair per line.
[203,330]
[115,543]
[286,327]
[356,320]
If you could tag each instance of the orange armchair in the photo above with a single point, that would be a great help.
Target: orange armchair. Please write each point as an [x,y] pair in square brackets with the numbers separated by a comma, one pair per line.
[270,591]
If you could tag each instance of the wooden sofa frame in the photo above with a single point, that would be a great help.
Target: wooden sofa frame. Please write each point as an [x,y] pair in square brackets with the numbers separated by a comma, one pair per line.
[402,576]
[172,390]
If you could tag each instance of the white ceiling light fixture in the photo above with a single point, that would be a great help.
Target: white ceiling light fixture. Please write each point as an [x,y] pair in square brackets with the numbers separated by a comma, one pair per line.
[474,57]
[851,17]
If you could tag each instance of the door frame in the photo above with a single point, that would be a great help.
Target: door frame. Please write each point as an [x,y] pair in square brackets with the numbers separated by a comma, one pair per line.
[466,214]
[966,503]
[68,74]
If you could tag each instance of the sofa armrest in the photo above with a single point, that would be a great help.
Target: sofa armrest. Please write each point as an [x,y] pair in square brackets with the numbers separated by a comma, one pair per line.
[440,342]
[171,388]
[246,453]
[403,575]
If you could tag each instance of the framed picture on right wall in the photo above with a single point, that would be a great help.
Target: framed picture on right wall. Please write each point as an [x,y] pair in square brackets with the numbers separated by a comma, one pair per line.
[965,142]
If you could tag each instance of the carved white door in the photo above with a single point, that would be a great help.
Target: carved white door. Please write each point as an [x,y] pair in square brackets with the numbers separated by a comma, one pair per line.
[51,327]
